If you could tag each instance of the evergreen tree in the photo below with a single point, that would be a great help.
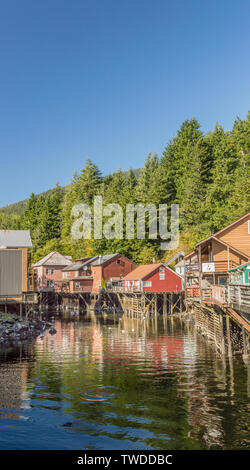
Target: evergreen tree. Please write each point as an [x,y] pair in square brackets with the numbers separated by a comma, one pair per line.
[89,183]
[226,159]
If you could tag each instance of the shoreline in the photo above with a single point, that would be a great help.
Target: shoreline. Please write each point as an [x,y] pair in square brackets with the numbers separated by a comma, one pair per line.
[13,329]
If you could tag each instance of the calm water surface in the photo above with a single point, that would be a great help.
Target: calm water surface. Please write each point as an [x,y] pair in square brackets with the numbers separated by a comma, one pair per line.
[162,386]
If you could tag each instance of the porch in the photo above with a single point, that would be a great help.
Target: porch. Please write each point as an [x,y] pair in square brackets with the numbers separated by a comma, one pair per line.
[210,267]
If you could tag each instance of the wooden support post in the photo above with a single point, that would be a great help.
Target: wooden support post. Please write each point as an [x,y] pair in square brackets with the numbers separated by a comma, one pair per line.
[229,344]
[245,341]
[171,303]
[222,335]
[21,311]
[164,304]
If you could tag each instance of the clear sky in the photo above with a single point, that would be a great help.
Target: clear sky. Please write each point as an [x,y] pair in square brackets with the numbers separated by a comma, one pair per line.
[112,80]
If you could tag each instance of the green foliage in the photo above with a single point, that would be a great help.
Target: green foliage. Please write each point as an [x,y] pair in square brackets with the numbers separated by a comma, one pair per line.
[207,175]
[9,221]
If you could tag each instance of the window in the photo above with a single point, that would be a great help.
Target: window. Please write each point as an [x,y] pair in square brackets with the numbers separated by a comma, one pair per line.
[222,280]
[119,261]
[147,284]
[65,275]
[47,271]
[210,279]
[52,271]
[162,276]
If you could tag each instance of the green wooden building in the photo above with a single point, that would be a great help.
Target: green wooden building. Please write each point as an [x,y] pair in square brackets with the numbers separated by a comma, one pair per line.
[240,274]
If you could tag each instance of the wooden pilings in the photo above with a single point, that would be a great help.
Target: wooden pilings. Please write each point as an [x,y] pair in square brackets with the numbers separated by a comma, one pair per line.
[216,325]
[148,303]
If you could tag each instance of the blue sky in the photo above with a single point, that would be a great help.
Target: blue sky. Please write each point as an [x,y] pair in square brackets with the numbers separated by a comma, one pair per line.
[112,80]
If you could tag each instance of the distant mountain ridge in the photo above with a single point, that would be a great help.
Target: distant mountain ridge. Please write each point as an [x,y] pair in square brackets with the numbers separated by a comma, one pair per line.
[18,208]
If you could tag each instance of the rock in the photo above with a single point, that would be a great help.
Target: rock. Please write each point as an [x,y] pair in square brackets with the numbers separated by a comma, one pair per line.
[18,326]
[52,331]
[15,329]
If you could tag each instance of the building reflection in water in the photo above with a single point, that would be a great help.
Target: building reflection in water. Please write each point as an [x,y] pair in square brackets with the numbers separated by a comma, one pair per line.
[205,382]
[14,395]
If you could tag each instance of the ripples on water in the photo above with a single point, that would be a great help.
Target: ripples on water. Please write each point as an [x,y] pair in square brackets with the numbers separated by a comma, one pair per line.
[113,382]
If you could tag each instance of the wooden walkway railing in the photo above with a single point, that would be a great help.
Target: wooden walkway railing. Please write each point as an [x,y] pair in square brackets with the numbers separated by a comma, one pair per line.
[238,296]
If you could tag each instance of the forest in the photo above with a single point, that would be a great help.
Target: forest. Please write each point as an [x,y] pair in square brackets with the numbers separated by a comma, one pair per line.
[206,174]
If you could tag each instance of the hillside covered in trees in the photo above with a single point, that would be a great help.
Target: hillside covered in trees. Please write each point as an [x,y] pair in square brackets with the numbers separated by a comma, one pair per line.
[207,175]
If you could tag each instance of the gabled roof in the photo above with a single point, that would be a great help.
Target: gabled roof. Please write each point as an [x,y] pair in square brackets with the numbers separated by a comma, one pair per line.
[78,266]
[86,258]
[142,271]
[15,239]
[53,259]
[231,225]
[214,236]
[190,254]
[102,259]
[218,240]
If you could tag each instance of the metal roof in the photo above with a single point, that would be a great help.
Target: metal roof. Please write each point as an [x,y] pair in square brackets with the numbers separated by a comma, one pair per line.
[73,267]
[53,259]
[77,266]
[178,255]
[15,239]
[103,259]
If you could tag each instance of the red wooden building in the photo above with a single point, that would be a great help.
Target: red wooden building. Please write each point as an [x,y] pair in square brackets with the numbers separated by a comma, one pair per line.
[153,278]
[90,274]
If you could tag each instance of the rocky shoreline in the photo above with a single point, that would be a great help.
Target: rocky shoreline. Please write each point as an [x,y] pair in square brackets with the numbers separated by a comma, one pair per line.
[12,328]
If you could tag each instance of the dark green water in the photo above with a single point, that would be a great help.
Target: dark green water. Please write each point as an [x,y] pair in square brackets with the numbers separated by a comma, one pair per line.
[163,388]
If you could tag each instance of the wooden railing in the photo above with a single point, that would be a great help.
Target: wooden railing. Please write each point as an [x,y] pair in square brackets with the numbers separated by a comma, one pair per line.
[219,293]
[192,292]
[235,296]
[238,297]
[192,268]
[220,266]
[83,289]
[62,289]
[30,297]
[206,294]
[223,266]
[124,289]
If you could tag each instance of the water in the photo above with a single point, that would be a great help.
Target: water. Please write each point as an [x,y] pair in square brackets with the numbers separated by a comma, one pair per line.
[110,382]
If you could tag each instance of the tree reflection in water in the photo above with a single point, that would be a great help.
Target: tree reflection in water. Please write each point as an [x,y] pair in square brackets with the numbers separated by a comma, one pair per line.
[156,383]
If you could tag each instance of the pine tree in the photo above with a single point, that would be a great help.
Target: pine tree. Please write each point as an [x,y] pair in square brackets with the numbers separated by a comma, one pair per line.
[29,219]
[225,157]
[89,183]
[70,199]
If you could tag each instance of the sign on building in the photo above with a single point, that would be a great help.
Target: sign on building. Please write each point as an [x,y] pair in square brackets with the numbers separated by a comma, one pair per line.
[208,267]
